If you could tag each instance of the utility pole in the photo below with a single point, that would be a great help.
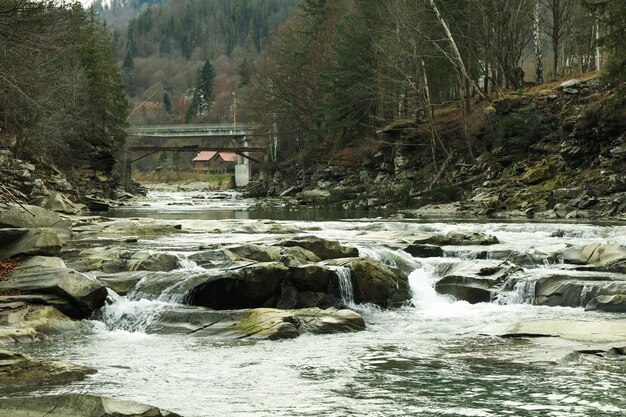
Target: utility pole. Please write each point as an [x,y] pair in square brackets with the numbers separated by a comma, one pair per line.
[234,108]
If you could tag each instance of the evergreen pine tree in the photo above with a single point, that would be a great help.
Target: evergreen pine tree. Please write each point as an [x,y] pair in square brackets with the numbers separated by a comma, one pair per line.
[206,83]
[128,66]
[350,82]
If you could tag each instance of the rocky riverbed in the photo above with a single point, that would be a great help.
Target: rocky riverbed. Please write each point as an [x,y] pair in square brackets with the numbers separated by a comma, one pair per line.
[406,292]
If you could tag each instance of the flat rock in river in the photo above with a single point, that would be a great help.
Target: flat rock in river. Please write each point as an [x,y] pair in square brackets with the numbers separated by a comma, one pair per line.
[256,324]
[18,371]
[27,216]
[457,239]
[591,331]
[76,295]
[78,405]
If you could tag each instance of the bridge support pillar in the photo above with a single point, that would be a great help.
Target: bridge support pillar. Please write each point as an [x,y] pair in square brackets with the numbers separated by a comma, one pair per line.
[242,175]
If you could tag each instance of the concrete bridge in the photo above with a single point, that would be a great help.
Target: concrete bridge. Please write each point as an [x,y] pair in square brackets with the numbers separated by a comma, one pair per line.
[213,138]
[190,131]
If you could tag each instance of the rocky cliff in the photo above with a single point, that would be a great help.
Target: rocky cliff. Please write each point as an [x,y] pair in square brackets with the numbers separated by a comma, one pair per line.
[551,153]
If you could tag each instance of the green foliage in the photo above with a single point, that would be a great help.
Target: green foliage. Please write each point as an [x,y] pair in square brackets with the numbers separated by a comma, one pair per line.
[612,15]
[128,66]
[65,102]
[350,81]
[442,193]
[206,82]
[522,128]
[173,40]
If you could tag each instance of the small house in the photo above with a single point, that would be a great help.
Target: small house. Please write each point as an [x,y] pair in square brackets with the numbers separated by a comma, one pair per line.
[215,162]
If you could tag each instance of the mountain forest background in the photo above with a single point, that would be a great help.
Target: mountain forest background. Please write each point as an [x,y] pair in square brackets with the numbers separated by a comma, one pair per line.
[315,76]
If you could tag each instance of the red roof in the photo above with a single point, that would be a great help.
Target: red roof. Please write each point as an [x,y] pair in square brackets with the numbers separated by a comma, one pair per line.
[228,156]
[204,156]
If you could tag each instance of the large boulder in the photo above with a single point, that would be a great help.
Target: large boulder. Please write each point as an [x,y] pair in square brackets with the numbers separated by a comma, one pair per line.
[322,248]
[474,282]
[78,405]
[424,251]
[457,239]
[609,303]
[121,282]
[605,256]
[112,260]
[59,203]
[33,242]
[314,278]
[20,371]
[263,253]
[74,294]
[28,216]
[22,321]
[260,323]
[576,290]
[376,283]
[255,286]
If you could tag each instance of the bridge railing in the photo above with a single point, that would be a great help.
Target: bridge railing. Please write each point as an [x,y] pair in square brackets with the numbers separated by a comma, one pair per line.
[189,129]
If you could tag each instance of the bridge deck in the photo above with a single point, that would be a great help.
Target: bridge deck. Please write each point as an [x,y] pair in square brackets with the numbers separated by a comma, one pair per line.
[195,130]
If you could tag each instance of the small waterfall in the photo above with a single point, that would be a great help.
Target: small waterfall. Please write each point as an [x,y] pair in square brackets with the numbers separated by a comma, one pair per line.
[422,282]
[523,292]
[346,292]
[585,294]
[395,258]
[187,264]
[132,316]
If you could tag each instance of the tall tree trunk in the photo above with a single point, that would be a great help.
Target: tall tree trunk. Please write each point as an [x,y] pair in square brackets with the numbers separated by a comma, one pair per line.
[455,51]
[537,29]
[597,30]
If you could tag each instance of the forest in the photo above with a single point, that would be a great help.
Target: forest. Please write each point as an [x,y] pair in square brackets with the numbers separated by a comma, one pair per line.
[339,70]
[164,48]
[61,96]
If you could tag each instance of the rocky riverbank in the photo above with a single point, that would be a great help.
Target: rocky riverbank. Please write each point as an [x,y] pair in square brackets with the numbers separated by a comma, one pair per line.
[254,280]
[550,154]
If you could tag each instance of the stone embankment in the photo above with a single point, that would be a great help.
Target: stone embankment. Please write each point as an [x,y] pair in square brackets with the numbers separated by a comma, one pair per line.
[553,154]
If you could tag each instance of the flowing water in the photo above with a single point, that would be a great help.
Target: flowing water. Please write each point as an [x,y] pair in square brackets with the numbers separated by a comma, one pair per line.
[436,358]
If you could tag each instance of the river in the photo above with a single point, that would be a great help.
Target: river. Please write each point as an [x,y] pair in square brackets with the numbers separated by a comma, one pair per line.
[439,357]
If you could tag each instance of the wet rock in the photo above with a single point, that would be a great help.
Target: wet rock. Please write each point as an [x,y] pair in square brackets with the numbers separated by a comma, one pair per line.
[20,371]
[313,196]
[322,248]
[33,242]
[212,257]
[609,303]
[576,290]
[288,297]
[28,216]
[122,282]
[97,204]
[25,319]
[313,278]
[272,253]
[310,299]
[10,234]
[255,324]
[78,405]
[603,255]
[589,331]
[59,203]
[424,251]
[458,238]
[474,282]
[254,286]
[73,293]
[113,260]
[376,283]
